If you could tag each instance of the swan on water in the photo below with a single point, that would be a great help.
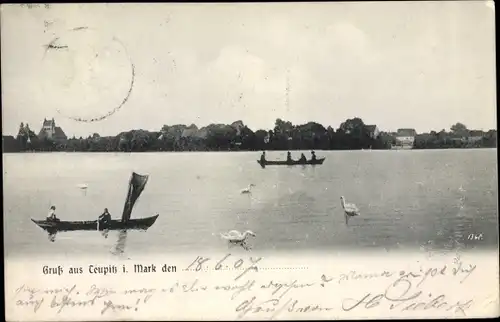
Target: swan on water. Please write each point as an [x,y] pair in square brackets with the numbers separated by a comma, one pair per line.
[247,189]
[350,209]
[234,237]
[83,187]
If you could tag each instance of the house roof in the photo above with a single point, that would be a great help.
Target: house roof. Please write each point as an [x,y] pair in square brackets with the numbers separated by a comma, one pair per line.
[476,133]
[189,132]
[41,133]
[59,133]
[406,132]
[371,128]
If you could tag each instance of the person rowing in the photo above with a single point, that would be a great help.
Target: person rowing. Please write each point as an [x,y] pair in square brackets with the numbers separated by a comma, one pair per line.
[313,156]
[105,219]
[263,157]
[302,158]
[52,214]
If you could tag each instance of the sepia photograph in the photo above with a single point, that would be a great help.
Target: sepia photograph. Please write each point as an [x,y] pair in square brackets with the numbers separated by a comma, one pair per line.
[151,145]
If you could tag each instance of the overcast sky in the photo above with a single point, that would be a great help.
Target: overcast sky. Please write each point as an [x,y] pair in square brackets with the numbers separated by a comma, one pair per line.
[424,65]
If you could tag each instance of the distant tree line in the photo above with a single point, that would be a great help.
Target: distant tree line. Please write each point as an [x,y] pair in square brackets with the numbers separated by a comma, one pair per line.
[458,137]
[353,134]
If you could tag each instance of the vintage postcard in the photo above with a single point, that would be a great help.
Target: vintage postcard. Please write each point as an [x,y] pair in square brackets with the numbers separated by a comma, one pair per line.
[249,161]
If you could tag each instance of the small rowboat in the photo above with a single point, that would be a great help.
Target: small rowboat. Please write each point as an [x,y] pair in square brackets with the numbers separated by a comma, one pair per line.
[136,186]
[56,226]
[293,162]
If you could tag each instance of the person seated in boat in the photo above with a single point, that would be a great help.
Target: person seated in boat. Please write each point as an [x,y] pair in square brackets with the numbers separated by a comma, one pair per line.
[52,214]
[289,157]
[104,219]
[263,157]
[302,158]
[313,156]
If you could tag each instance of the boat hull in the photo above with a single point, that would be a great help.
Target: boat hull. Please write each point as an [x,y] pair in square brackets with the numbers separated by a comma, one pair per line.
[294,162]
[56,226]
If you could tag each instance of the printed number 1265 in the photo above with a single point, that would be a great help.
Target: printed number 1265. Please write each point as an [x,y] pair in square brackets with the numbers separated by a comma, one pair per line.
[475,236]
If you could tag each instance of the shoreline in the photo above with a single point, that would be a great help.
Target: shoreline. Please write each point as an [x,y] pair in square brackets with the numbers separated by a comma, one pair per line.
[246,151]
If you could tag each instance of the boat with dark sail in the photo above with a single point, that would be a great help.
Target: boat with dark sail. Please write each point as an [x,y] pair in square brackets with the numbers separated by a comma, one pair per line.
[292,162]
[136,186]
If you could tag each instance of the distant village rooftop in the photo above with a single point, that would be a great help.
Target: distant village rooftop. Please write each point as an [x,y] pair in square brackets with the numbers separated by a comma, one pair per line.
[52,132]
[406,132]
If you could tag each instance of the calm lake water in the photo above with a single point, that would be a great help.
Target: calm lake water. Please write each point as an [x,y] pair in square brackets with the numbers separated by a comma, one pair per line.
[408,200]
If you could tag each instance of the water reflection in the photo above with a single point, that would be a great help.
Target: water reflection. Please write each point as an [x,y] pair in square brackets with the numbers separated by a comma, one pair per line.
[52,236]
[453,233]
[119,248]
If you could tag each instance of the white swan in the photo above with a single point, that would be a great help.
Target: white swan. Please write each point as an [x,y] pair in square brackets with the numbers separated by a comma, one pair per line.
[234,237]
[247,189]
[350,209]
[83,187]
